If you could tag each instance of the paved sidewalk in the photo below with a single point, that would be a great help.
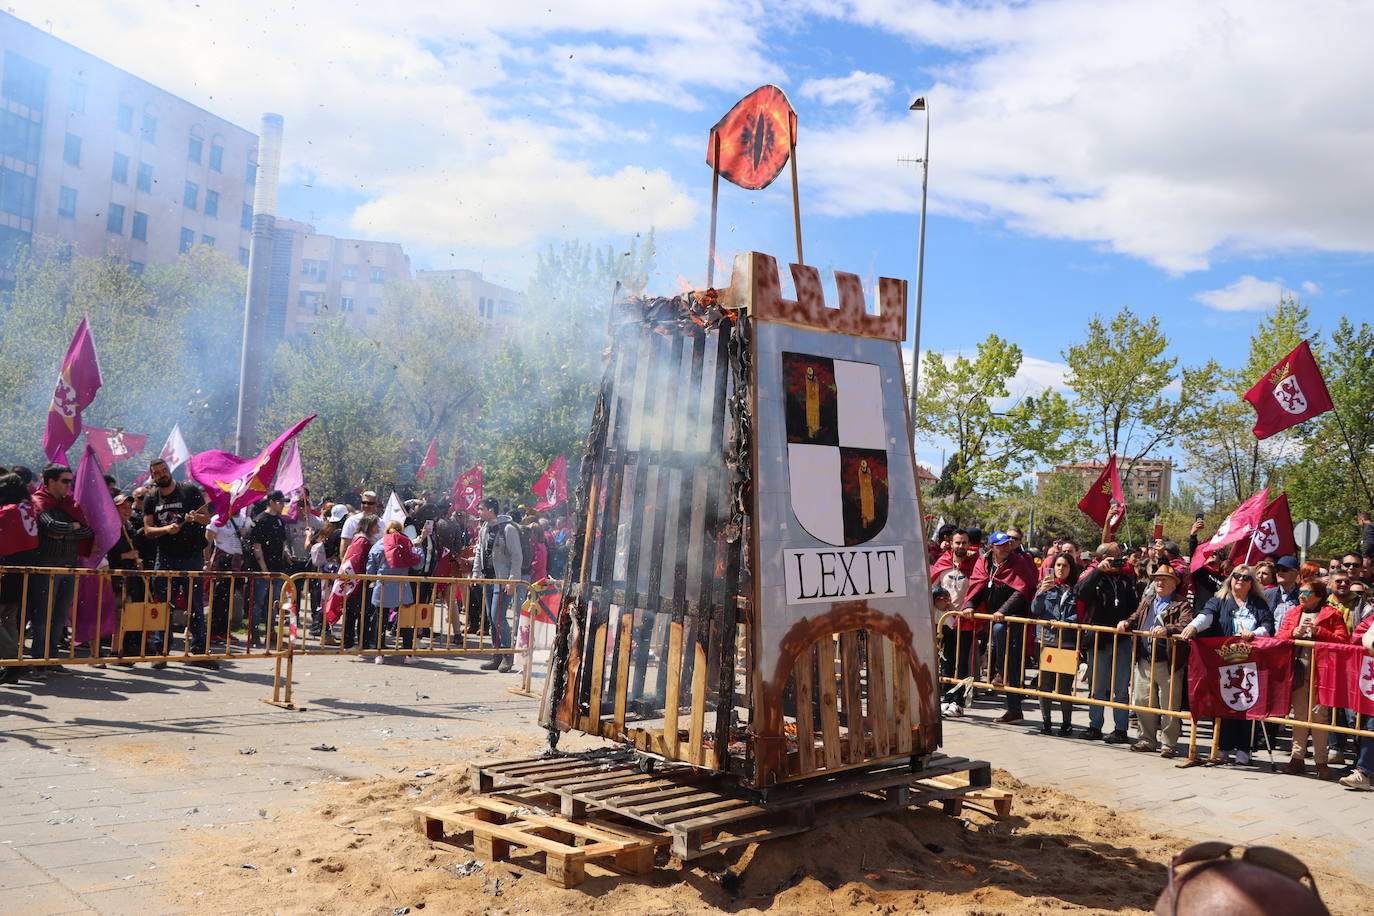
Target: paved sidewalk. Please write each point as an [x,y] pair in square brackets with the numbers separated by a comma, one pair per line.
[105,769]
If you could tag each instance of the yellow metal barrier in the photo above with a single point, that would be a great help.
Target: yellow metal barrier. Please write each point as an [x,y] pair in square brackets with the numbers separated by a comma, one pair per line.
[1067,648]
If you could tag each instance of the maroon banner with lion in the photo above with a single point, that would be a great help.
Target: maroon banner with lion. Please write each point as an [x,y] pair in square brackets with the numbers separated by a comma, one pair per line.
[1234,678]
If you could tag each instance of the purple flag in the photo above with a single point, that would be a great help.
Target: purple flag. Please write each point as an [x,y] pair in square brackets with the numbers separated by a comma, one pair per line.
[77,383]
[96,614]
[232,482]
[291,480]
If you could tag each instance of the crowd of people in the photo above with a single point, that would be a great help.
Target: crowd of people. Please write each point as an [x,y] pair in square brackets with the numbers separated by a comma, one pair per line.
[1149,602]
[167,527]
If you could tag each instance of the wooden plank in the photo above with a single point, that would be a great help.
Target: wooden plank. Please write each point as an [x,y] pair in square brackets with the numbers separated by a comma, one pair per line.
[850,674]
[830,723]
[547,765]
[573,777]
[673,686]
[630,803]
[901,701]
[684,801]
[876,684]
[501,766]
[622,671]
[598,669]
[694,746]
[623,795]
[701,811]
[802,674]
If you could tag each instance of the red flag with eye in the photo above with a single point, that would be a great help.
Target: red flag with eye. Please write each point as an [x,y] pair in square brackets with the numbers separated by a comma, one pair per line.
[754,139]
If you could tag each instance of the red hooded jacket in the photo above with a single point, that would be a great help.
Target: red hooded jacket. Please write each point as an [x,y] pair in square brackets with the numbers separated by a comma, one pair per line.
[1017,573]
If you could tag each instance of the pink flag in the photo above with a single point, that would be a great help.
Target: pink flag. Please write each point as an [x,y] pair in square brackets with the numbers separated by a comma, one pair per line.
[291,480]
[552,488]
[96,614]
[431,459]
[467,491]
[1239,525]
[111,445]
[77,383]
[232,482]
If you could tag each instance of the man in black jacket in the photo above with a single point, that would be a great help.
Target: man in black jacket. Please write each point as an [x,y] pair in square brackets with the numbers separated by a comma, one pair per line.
[1111,594]
[61,531]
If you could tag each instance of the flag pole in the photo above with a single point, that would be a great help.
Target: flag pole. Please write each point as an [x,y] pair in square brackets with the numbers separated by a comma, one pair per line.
[1354,457]
[796,199]
[715,197]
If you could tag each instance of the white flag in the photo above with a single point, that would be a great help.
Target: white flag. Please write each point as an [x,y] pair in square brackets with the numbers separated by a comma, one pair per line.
[394,511]
[174,451]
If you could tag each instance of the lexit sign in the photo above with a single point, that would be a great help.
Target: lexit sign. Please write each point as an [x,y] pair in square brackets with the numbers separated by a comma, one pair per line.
[821,576]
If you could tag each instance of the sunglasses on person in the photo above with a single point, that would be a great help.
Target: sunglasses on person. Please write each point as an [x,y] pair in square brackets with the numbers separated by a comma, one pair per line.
[1242,577]
[369,502]
[1268,857]
[1306,593]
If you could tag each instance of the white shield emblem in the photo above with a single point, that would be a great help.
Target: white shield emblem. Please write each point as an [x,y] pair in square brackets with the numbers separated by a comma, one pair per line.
[1239,685]
[64,398]
[1266,538]
[1367,678]
[836,447]
[117,446]
[1289,395]
[28,515]
[551,492]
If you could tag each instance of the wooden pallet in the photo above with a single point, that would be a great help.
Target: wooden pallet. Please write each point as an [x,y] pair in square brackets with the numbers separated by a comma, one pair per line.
[996,800]
[705,813]
[498,822]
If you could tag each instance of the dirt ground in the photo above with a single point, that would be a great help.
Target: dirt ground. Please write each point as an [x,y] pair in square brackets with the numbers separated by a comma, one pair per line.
[351,846]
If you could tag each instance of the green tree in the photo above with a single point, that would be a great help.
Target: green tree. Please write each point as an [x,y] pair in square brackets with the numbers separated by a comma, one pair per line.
[1124,386]
[962,402]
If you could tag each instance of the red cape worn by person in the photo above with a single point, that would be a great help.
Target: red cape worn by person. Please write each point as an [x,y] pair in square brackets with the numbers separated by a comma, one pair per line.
[44,500]
[1016,572]
[1290,393]
[18,528]
[355,562]
[1234,678]
[399,552]
[946,563]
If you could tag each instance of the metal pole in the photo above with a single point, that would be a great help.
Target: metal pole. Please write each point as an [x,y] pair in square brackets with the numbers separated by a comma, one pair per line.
[1354,458]
[924,105]
[259,273]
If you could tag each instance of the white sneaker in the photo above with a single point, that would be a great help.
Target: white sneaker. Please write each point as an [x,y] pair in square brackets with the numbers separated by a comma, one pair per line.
[1243,758]
[958,710]
[379,660]
[1358,779]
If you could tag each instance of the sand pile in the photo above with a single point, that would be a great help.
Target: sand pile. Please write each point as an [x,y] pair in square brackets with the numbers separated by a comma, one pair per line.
[352,848]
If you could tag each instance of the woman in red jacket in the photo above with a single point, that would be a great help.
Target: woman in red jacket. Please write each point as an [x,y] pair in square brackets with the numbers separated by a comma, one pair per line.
[1312,619]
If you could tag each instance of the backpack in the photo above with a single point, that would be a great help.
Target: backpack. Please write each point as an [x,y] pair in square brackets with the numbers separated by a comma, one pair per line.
[526,553]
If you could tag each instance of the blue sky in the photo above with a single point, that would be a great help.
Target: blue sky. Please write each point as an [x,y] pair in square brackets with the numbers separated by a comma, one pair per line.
[1192,161]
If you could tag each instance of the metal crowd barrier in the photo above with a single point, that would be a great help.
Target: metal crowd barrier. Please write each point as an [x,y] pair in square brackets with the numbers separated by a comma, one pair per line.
[984,659]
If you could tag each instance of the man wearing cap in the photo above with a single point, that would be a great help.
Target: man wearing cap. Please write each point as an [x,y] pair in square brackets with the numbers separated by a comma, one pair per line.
[1003,584]
[1283,597]
[270,555]
[1159,661]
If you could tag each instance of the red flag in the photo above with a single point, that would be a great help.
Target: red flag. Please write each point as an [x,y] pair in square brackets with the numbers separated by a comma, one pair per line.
[431,460]
[552,488]
[232,482]
[355,563]
[77,383]
[1290,393]
[1345,677]
[1239,525]
[755,138]
[1106,490]
[111,445]
[1273,536]
[18,528]
[467,491]
[1234,678]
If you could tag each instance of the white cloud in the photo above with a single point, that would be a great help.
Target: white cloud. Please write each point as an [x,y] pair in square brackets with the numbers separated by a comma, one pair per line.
[1172,131]
[859,89]
[1245,295]
[1310,288]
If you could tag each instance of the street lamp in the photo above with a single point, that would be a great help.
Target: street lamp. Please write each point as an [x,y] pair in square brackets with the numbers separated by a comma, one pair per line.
[919,105]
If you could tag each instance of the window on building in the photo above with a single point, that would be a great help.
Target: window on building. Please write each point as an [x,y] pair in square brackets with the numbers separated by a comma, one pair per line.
[350,272]
[66,202]
[149,131]
[346,304]
[18,193]
[124,118]
[136,268]
[310,300]
[188,238]
[76,97]
[243,256]
[315,270]
[378,275]
[25,81]
[71,150]
[195,148]
[140,229]
[250,173]
[246,217]
[145,177]
[211,202]
[20,138]
[374,305]
[114,219]
[216,156]
[208,240]
[120,170]
[191,196]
